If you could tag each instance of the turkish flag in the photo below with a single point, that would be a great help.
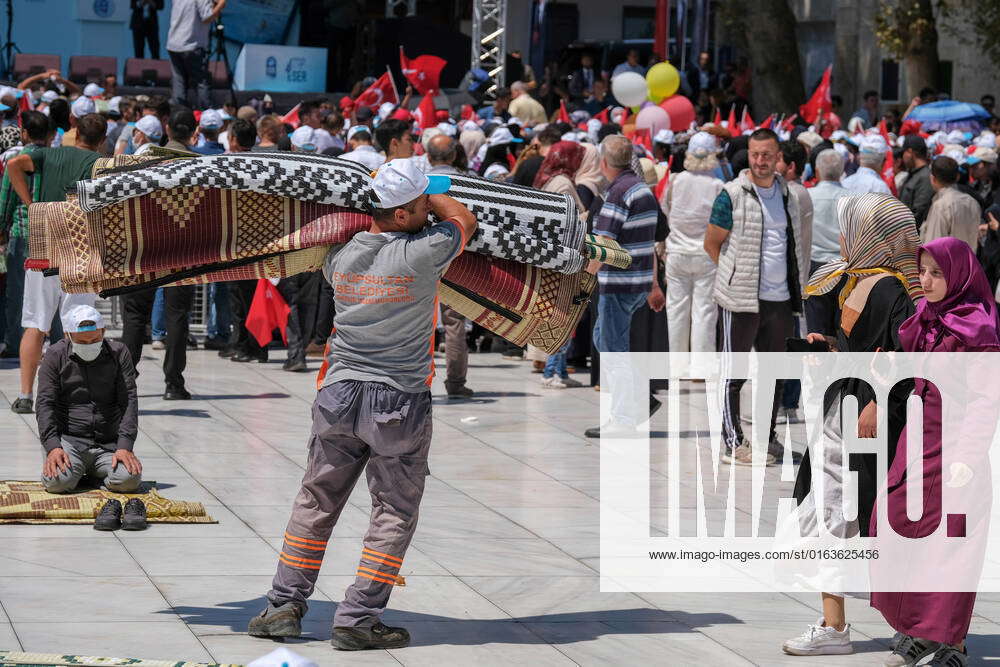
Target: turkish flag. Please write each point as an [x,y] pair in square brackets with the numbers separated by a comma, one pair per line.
[820,101]
[644,139]
[292,117]
[768,122]
[746,123]
[468,113]
[731,123]
[662,185]
[603,115]
[24,104]
[383,90]
[718,117]
[884,131]
[889,172]
[563,114]
[789,122]
[268,311]
[424,72]
[426,115]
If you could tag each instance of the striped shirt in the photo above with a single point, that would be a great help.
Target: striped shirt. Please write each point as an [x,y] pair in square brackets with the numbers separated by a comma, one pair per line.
[13,213]
[629,217]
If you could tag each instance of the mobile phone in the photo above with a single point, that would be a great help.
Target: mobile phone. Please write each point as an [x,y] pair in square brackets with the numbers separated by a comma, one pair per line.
[803,345]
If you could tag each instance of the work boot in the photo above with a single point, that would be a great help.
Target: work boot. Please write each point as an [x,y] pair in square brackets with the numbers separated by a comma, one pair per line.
[283,620]
[135,515]
[22,406]
[376,636]
[110,516]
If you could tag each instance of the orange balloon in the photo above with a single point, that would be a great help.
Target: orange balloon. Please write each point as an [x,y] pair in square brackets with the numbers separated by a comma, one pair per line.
[681,112]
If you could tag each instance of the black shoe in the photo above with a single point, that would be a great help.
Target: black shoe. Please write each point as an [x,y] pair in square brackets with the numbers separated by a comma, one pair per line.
[10,353]
[192,344]
[377,636]
[294,366]
[226,352]
[135,515]
[22,406]
[176,394]
[243,358]
[215,344]
[110,516]
[461,392]
[284,620]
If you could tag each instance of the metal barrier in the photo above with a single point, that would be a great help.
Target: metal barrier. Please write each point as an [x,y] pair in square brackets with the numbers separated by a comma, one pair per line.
[111,309]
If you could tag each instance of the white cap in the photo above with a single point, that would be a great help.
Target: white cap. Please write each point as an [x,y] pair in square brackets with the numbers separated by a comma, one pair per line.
[664,137]
[223,115]
[358,128]
[579,116]
[304,138]
[956,137]
[447,128]
[401,180]
[570,136]
[92,90]
[838,135]
[501,135]
[514,120]
[986,139]
[72,318]
[114,104]
[874,144]
[82,106]
[280,657]
[701,145]
[210,119]
[983,154]
[150,126]
[470,125]
[956,154]
[385,109]
[49,96]
[842,150]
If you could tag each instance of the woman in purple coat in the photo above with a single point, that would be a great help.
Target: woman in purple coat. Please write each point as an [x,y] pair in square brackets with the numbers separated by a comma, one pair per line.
[958,314]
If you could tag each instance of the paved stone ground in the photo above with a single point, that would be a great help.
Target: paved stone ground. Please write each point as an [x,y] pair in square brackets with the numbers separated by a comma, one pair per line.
[503,569]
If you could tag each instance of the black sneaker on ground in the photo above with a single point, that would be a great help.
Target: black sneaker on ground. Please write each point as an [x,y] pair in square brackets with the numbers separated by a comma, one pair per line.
[374,637]
[192,342]
[215,344]
[110,516]
[284,620]
[295,366]
[460,392]
[176,394]
[135,515]
[23,406]
[226,352]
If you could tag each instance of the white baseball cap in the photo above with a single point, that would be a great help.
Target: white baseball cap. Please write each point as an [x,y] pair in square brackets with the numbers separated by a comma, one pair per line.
[49,96]
[982,154]
[400,181]
[74,316]
[150,126]
[358,128]
[956,137]
[874,144]
[447,128]
[986,139]
[385,109]
[514,120]
[92,90]
[701,145]
[223,115]
[114,104]
[471,125]
[502,135]
[82,106]
[304,138]
[664,137]
[210,119]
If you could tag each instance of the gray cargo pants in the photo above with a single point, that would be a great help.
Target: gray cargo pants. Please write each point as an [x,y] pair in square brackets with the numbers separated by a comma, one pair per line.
[358,426]
[95,461]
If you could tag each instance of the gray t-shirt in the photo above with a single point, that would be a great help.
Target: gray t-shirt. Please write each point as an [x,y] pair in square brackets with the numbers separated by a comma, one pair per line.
[188,30]
[774,246]
[385,291]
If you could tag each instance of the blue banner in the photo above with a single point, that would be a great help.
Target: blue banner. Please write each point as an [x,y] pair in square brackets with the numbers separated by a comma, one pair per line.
[257,21]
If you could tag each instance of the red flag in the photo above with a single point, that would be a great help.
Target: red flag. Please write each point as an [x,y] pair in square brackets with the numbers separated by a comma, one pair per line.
[718,117]
[563,114]
[24,104]
[910,127]
[820,101]
[603,115]
[731,123]
[292,117]
[468,113]
[268,311]
[768,122]
[889,172]
[884,131]
[662,185]
[643,138]
[424,72]
[425,112]
[789,122]
[383,90]
[746,123]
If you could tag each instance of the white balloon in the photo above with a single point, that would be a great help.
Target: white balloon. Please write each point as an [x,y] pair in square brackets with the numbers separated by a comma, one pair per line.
[630,89]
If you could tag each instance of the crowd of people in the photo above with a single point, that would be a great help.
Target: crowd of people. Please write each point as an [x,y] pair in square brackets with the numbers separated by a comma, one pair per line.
[744,238]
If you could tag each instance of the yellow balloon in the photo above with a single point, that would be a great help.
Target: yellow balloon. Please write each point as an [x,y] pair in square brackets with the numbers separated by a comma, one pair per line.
[663,80]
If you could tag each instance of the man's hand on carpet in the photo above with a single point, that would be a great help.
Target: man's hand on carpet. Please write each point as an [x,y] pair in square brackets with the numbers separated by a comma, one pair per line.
[56,462]
[128,459]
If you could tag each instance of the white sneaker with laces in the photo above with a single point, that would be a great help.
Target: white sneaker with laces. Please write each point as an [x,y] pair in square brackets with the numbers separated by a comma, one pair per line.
[553,383]
[820,640]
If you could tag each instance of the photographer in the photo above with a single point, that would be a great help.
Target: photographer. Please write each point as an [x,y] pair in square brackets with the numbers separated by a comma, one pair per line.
[187,44]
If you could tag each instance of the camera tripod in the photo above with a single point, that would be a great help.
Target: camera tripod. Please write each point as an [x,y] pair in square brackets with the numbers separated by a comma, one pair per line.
[9,47]
[218,54]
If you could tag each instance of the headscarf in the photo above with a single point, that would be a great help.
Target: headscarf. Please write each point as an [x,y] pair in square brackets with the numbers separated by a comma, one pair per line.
[471,141]
[564,158]
[880,236]
[10,136]
[968,311]
[589,174]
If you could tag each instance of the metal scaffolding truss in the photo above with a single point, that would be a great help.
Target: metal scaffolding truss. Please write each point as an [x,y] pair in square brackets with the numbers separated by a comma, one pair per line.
[489,41]
[392,5]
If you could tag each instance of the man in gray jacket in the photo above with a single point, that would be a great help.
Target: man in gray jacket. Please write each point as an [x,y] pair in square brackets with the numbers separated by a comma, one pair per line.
[755,237]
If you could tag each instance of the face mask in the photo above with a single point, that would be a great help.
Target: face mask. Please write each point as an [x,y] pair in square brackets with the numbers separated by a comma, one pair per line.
[87,351]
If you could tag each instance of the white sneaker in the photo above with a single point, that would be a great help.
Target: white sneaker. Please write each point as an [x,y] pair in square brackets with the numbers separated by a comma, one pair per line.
[553,383]
[158,345]
[820,640]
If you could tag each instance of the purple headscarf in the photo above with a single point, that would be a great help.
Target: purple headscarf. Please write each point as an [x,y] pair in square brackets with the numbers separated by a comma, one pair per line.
[968,311]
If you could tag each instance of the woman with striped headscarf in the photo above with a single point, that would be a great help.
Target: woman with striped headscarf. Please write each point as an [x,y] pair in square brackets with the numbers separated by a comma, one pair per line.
[878,271]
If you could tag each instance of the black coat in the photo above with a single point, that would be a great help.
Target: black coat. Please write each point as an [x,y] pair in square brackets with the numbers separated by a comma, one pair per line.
[137,23]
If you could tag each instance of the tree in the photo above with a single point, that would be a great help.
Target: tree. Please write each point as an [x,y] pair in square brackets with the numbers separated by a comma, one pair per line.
[907,29]
[768,31]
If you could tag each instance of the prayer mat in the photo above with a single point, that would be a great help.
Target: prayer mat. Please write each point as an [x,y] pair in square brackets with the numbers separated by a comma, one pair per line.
[607,250]
[19,659]
[29,502]
[515,222]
